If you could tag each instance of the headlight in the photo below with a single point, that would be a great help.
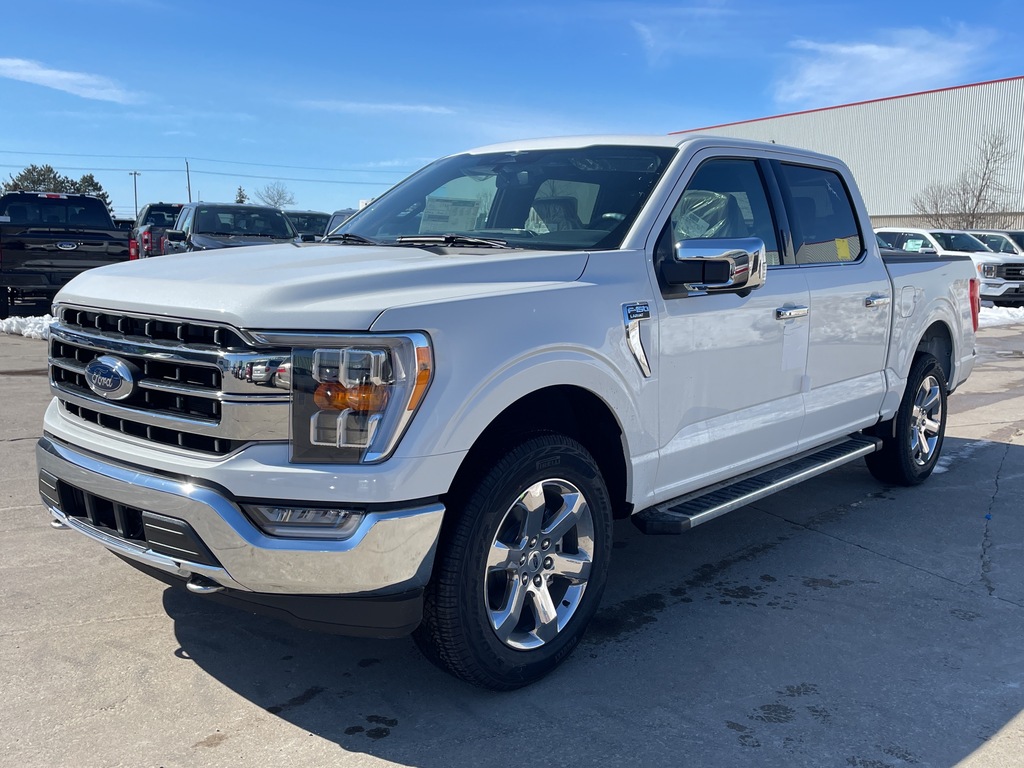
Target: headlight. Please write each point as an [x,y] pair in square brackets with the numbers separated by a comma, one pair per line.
[987,270]
[353,397]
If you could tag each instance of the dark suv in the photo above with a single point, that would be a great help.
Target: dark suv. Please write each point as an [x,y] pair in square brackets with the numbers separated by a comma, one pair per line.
[204,226]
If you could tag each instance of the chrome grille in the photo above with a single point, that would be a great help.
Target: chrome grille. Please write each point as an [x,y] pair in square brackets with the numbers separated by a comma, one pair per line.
[151,328]
[190,391]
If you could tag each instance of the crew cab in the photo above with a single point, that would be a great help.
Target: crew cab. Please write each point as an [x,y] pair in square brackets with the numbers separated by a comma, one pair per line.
[148,231]
[483,368]
[46,238]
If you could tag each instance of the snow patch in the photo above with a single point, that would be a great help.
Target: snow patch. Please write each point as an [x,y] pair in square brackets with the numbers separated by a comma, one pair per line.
[30,327]
[991,317]
[947,459]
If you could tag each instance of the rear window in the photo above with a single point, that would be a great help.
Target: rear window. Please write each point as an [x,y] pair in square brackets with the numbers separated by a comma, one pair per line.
[309,223]
[35,211]
[161,215]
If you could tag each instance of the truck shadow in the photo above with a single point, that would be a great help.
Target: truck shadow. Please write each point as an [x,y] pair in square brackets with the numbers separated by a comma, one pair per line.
[839,622]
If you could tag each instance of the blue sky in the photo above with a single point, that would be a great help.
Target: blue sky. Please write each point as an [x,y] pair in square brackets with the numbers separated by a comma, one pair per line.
[340,101]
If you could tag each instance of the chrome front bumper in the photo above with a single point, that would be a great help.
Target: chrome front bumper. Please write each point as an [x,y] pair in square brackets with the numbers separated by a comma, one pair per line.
[391,552]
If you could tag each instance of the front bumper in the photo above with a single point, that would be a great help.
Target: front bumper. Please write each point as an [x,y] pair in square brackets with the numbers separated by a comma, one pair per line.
[185,531]
[999,289]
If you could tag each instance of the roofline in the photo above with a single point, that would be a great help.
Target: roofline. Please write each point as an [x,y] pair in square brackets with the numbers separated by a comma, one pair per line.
[852,104]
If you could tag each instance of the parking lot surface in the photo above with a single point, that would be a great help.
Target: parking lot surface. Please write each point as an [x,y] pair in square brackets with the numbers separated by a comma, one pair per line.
[840,623]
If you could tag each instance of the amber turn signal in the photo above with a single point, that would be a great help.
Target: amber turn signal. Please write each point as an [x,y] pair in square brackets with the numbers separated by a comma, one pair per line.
[364,398]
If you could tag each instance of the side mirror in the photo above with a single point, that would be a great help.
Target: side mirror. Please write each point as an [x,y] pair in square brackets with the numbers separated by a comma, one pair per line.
[927,251]
[308,238]
[720,265]
[175,235]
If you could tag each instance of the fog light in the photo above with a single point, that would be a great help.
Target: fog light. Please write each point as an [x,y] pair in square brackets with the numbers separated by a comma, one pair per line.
[306,522]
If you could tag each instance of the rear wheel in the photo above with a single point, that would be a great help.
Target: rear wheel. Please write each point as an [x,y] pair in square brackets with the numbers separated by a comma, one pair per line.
[913,440]
[520,574]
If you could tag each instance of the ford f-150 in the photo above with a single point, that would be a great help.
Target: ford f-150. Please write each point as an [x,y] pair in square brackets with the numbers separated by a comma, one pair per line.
[485,367]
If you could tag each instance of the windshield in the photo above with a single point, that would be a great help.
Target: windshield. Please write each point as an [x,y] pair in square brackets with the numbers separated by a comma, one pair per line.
[998,243]
[243,220]
[562,199]
[959,241]
[309,223]
[1018,238]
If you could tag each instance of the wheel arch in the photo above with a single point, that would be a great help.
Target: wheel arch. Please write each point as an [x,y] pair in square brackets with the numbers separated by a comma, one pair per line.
[937,341]
[565,409]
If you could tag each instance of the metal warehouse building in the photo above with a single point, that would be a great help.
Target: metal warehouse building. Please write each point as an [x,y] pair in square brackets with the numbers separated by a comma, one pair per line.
[898,145]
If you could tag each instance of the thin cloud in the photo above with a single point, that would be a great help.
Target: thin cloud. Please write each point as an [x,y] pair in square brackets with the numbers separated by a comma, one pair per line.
[377,108]
[665,33]
[77,83]
[903,61]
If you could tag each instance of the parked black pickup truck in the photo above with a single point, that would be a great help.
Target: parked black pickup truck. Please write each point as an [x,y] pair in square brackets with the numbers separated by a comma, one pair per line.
[46,238]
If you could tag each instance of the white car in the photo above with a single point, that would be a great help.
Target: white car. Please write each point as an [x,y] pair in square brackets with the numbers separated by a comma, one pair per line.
[947,242]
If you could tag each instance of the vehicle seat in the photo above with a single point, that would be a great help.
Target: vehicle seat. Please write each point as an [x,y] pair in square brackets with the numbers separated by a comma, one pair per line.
[558,213]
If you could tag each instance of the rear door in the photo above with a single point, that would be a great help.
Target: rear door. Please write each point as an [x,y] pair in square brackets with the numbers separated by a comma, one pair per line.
[850,302]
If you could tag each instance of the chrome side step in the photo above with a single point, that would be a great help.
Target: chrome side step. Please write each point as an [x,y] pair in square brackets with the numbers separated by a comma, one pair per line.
[684,512]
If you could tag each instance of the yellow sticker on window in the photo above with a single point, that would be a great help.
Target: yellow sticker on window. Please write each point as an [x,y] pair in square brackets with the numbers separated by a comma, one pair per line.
[843,249]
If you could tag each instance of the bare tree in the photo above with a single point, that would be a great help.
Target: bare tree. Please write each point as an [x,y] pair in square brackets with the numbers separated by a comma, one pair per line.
[275,194]
[978,197]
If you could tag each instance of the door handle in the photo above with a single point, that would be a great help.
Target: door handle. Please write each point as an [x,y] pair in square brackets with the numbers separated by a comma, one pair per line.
[788,313]
[876,300]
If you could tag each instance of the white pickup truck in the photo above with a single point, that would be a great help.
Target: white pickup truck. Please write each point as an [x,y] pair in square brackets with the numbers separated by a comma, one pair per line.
[485,367]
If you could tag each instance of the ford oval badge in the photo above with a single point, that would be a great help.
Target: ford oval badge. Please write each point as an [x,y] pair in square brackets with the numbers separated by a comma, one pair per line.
[67,245]
[110,377]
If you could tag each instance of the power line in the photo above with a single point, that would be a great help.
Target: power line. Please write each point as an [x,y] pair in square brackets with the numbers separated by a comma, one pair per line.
[219,173]
[210,160]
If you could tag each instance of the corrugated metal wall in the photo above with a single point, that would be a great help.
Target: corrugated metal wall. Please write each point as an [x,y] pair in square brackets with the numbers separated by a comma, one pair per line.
[895,147]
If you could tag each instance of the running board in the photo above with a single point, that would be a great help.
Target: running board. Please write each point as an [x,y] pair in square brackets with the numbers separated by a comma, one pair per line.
[684,512]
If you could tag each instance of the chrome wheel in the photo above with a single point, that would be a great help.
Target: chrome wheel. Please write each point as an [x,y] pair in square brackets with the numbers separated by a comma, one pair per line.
[925,421]
[539,564]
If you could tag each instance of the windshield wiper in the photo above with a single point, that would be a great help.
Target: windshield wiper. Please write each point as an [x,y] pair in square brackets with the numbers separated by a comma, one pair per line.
[350,237]
[451,239]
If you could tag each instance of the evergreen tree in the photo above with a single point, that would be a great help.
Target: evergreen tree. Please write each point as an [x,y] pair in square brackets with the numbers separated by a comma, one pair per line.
[240,196]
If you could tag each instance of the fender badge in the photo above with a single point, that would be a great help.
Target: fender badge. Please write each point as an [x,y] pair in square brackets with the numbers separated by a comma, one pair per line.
[632,314]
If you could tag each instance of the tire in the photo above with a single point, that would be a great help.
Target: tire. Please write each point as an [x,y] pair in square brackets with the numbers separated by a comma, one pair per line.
[5,302]
[912,441]
[521,571]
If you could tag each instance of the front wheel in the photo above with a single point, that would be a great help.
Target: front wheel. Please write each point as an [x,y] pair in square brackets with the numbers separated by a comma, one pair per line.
[912,442]
[521,571]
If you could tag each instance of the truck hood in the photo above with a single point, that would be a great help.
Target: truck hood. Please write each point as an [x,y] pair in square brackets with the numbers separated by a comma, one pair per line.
[314,286]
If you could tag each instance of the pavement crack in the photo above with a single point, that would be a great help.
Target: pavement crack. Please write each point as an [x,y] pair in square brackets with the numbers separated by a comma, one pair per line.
[986,536]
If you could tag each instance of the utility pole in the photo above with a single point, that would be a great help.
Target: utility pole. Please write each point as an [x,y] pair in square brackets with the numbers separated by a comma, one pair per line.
[188,181]
[135,184]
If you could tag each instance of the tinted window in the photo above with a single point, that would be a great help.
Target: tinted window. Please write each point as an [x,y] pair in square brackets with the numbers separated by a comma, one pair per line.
[887,239]
[724,199]
[821,215]
[998,243]
[309,223]
[35,211]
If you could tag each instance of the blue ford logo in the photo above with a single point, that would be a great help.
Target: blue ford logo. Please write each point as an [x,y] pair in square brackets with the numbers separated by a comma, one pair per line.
[67,245]
[110,377]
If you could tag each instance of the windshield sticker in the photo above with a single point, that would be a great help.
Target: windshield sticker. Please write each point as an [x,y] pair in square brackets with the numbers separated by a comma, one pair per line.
[442,215]
[913,245]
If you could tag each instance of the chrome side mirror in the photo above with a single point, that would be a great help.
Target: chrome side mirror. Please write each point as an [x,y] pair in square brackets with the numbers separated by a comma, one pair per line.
[719,265]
